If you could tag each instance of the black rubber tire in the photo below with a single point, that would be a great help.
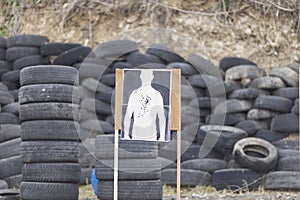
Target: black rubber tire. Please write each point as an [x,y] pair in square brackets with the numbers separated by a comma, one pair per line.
[203,81]
[10,166]
[137,59]
[12,108]
[9,118]
[230,119]
[96,106]
[206,164]
[188,177]
[257,145]
[247,93]
[295,109]
[289,163]
[236,179]
[186,69]
[91,70]
[30,61]
[50,151]
[63,130]
[3,87]
[48,191]
[287,144]
[205,102]
[250,126]
[233,106]
[274,103]
[286,123]
[26,40]
[10,194]
[288,92]
[129,169]
[115,49]
[72,56]
[3,185]
[134,190]
[51,172]
[14,53]
[121,65]
[5,65]
[10,148]
[244,71]
[15,94]
[282,181]
[47,74]
[267,83]
[2,42]
[106,97]
[284,153]
[2,54]
[104,146]
[289,76]
[204,66]
[6,98]
[164,53]
[3,71]
[260,114]
[56,48]
[14,181]
[97,126]
[9,132]
[94,86]
[49,93]
[11,85]
[229,62]
[228,135]
[49,111]
[11,76]
[270,136]
[108,79]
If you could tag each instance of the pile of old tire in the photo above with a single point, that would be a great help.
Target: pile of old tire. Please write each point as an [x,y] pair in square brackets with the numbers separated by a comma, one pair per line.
[138,169]
[49,115]
[9,194]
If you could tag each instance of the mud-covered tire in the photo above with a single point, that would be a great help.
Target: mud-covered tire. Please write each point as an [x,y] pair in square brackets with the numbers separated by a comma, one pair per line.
[282,180]
[286,123]
[229,62]
[257,145]
[289,76]
[247,93]
[244,71]
[233,106]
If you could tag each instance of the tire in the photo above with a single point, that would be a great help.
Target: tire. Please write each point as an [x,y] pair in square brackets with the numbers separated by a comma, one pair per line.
[228,135]
[11,85]
[85,177]
[289,164]
[10,148]
[54,49]
[134,190]
[14,53]
[289,92]
[121,65]
[72,56]
[189,177]
[5,65]
[203,81]
[289,76]
[260,114]
[249,126]
[49,191]
[294,66]
[265,164]
[91,70]
[205,165]
[295,109]
[26,40]
[282,181]
[50,151]
[236,179]
[247,93]
[3,185]
[104,146]
[9,132]
[108,98]
[273,103]
[51,172]
[186,69]
[164,53]
[229,62]
[233,106]
[49,111]
[94,105]
[230,119]
[287,144]
[95,86]
[284,153]
[14,181]
[6,98]
[15,94]
[244,71]
[62,130]
[30,61]
[131,169]
[205,102]
[47,74]
[267,83]
[12,108]
[137,59]
[9,194]
[9,118]
[97,126]
[2,54]
[270,136]
[204,66]
[114,49]
[286,123]
[2,42]
[10,166]
[49,93]
[11,76]
[3,87]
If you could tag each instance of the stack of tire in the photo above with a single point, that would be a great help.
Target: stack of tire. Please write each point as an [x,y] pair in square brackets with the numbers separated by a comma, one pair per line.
[10,131]
[49,113]
[138,169]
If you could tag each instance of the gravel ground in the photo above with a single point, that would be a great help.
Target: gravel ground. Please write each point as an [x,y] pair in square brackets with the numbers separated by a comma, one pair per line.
[203,193]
